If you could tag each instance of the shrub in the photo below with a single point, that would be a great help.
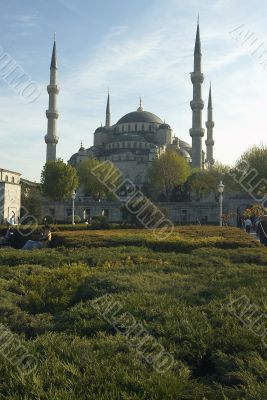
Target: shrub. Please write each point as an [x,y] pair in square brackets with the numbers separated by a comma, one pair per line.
[77,219]
[100,222]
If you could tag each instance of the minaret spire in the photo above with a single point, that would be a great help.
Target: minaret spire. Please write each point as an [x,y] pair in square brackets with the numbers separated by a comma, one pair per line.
[210,125]
[54,54]
[51,138]
[108,114]
[197,105]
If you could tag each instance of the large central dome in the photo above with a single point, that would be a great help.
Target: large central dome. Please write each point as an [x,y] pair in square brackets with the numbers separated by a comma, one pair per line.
[140,116]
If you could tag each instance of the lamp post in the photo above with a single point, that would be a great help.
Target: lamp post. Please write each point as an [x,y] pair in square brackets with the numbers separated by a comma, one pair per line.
[73,196]
[220,190]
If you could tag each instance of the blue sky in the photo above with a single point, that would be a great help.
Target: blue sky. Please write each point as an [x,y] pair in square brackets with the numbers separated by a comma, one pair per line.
[134,48]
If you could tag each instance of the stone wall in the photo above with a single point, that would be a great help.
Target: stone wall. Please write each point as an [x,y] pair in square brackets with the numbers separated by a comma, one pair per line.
[207,212]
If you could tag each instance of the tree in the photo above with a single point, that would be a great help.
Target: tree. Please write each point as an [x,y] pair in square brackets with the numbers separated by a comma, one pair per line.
[167,172]
[58,180]
[203,182]
[255,210]
[250,172]
[98,179]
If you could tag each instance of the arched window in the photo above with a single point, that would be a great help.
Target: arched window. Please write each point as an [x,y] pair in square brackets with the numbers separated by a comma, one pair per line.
[129,127]
[6,178]
[13,179]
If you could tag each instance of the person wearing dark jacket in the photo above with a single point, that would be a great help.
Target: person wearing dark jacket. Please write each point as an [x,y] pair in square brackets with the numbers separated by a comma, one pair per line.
[262,230]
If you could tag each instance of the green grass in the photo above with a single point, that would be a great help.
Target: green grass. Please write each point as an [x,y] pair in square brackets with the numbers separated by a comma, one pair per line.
[177,288]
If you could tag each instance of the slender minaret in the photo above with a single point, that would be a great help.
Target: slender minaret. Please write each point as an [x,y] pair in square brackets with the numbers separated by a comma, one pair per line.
[197,105]
[51,139]
[210,125]
[108,114]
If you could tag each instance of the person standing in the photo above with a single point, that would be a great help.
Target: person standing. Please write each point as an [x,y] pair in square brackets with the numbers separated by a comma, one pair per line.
[247,225]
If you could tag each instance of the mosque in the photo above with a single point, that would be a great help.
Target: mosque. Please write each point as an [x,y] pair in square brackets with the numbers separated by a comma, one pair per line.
[132,143]
[139,137]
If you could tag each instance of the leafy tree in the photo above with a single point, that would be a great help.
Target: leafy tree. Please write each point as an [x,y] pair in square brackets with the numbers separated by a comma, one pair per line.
[167,172]
[250,172]
[98,179]
[201,183]
[255,210]
[58,180]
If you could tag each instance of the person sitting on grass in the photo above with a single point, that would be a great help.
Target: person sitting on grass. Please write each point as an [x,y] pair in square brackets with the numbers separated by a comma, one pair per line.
[262,230]
[6,240]
[43,240]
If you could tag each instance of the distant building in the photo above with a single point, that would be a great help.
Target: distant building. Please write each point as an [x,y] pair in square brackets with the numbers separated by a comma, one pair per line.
[10,196]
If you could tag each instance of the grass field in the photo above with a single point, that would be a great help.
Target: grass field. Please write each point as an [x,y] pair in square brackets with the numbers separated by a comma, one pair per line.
[178,290]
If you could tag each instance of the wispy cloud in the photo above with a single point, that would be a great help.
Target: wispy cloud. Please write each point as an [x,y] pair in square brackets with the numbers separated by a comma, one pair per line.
[23,20]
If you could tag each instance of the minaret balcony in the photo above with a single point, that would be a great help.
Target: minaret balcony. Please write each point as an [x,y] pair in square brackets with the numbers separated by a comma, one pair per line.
[51,139]
[197,104]
[53,89]
[52,114]
[197,132]
[210,124]
[209,142]
[197,77]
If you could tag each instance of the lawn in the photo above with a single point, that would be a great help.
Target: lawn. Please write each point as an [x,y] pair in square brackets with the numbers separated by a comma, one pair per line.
[187,292]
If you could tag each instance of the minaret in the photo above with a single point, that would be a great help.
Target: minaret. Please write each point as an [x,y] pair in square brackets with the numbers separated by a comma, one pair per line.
[51,139]
[108,114]
[197,105]
[210,125]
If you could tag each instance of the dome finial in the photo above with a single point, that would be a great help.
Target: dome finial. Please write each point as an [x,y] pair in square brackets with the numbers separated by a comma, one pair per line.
[81,147]
[140,108]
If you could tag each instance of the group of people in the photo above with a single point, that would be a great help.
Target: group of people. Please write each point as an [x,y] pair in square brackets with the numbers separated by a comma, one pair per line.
[260,227]
[8,237]
[42,240]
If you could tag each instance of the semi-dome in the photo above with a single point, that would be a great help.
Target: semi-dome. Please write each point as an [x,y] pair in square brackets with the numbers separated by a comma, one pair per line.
[182,143]
[164,126]
[140,116]
[184,153]
[100,129]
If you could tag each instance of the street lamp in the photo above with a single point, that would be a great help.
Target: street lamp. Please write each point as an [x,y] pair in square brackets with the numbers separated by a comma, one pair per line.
[220,190]
[73,196]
